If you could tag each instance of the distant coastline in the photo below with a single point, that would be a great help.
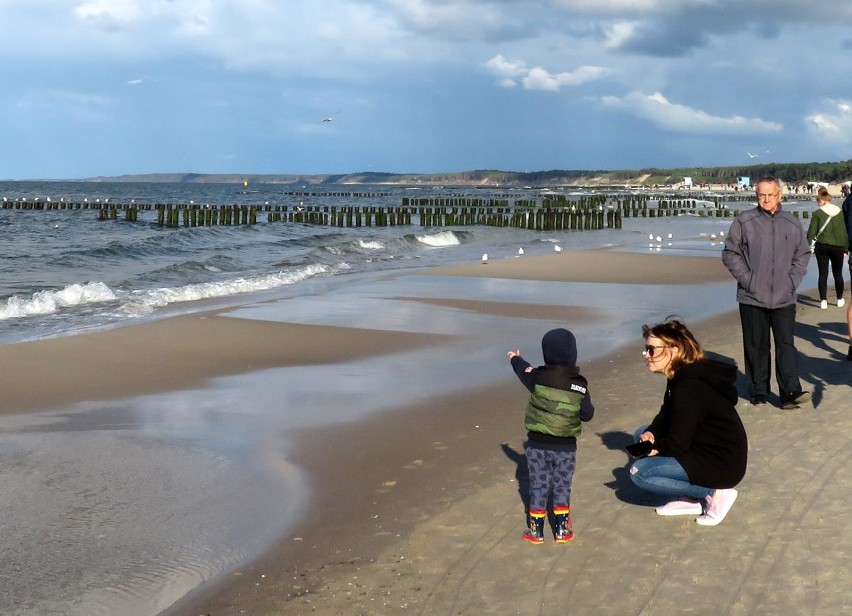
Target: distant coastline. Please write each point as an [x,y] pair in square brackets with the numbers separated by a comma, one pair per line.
[830,172]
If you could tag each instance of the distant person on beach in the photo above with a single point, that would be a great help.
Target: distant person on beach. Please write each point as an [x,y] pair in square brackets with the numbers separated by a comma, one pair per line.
[846,208]
[699,444]
[559,401]
[767,253]
[827,235]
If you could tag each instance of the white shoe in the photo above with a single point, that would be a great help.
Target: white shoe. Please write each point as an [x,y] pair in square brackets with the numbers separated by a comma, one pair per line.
[718,506]
[823,304]
[841,302]
[682,506]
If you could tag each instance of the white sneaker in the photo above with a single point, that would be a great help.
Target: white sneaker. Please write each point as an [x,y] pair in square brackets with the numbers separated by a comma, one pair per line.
[823,304]
[718,506]
[841,302]
[682,506]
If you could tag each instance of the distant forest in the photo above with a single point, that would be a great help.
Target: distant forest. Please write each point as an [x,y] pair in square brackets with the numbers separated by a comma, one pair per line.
[791,173]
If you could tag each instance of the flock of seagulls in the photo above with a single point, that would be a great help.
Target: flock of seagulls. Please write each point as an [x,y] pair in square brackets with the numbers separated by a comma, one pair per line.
[657,241]
[556,248]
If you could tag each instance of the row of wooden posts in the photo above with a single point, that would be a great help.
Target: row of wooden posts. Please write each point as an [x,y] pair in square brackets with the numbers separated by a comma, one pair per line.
[544,218]
[552,213]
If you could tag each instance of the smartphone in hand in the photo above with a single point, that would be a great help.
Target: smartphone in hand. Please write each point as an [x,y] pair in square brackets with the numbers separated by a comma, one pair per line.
[640,449]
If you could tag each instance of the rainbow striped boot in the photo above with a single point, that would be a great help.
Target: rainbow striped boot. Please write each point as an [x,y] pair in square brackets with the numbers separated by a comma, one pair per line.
[535,533]
[564,531]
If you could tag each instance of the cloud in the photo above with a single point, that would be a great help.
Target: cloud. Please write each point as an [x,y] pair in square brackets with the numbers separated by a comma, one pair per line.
[460,20]
[835,125]
[135,82]
[664,114]
[676,28]
[618,34]
[511,72]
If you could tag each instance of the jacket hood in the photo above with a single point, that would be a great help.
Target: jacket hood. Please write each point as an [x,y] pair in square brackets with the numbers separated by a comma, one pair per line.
[559,347]
[721,376]
[830,209]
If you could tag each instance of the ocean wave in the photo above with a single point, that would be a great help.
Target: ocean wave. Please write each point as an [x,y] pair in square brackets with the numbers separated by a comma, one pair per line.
[49,302]
[437,240]
[370,245]
[143,302]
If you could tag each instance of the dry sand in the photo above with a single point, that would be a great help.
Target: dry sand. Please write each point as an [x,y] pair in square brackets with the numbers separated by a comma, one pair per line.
[419,510]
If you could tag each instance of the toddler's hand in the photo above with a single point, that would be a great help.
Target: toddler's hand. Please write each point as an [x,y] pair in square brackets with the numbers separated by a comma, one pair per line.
[514,353]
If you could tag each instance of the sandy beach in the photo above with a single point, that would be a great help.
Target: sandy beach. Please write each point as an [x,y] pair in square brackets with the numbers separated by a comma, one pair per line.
[417,508]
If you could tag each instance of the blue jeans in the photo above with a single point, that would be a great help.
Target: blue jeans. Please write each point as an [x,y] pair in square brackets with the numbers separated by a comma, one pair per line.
[664,475]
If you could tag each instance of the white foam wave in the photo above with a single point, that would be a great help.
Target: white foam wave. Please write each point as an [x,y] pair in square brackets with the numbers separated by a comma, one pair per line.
[49,302]
[144,302]
[445,238]
[370,245]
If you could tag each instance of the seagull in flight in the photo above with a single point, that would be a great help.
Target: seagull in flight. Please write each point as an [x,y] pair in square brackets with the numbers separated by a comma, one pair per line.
[750,155]
[331,117]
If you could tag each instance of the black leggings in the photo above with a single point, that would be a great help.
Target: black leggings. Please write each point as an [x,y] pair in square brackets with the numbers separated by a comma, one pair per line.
[825,254]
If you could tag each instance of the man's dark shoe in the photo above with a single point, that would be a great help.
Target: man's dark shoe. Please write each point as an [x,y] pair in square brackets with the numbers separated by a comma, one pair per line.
[849,354]
[793,402]
[758,400]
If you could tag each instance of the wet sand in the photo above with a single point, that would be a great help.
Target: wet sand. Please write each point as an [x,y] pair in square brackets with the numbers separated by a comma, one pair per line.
[418,509]
[421,509]
[177,353]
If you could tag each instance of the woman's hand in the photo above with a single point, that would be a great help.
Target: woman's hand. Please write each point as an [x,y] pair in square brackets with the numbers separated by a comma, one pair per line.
[648,436]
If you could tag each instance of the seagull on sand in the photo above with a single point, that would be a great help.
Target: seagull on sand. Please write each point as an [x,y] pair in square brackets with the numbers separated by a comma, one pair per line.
[520,251]
[484,258]
[331,117]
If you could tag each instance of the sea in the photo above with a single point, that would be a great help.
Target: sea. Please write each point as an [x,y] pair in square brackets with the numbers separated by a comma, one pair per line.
[124,507]
[64,271]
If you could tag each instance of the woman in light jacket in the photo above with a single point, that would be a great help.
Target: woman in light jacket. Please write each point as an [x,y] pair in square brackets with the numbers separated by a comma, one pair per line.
[828,228]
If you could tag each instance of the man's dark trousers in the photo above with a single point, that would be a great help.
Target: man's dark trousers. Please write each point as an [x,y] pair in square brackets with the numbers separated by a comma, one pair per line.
[757,322]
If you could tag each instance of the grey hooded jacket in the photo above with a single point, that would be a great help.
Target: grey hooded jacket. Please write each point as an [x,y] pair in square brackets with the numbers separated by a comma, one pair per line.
[768,255]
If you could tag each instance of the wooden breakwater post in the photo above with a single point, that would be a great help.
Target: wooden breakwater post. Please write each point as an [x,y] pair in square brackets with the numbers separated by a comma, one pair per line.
[194,215]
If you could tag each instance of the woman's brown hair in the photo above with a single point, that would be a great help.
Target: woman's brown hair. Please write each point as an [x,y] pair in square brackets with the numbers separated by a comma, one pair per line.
[677,335]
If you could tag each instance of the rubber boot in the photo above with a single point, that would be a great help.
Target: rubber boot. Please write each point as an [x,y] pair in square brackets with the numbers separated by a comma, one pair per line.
[535,533]
[562,517]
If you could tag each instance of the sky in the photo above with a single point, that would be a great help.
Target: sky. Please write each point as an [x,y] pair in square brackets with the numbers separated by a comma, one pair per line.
[110,87]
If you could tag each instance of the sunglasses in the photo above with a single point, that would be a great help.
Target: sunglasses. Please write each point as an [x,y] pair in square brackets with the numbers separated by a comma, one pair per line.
[651,349]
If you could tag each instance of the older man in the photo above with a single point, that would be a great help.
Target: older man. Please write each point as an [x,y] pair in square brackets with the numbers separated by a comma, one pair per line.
[767,253]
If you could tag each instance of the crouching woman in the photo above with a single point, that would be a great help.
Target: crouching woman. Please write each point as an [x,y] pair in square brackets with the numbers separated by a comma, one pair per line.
[700,446]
